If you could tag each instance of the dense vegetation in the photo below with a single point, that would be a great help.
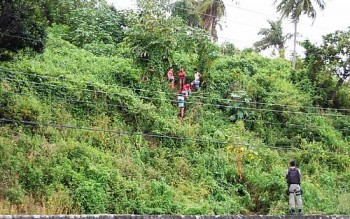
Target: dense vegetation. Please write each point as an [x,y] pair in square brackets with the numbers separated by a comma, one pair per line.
[88,125]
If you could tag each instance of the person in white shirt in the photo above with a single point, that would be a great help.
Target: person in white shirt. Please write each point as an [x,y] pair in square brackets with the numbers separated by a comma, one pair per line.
[196,83]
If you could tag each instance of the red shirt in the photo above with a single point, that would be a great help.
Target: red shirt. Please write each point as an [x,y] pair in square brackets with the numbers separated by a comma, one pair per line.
[182,74]
[186,87]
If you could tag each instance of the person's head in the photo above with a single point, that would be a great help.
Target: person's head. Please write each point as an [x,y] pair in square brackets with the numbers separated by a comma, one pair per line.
[195,69]
[292,163]
[182,68]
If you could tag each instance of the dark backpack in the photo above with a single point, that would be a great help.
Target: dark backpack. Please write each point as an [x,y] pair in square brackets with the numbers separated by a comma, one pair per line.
[293,176]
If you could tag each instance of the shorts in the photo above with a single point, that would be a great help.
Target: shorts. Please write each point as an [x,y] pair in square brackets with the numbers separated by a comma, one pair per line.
[185,93]
[196,84]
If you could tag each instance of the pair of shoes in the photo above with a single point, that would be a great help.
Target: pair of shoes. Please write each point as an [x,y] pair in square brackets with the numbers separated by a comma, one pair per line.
[300,213]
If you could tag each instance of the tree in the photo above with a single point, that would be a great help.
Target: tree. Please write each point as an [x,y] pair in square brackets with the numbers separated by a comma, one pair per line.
[332,57]
[60,11]
[152,35]
[294,9]
[22,24]
[336,57]
[210,12]
[102,23]
[186,9]
[273,37]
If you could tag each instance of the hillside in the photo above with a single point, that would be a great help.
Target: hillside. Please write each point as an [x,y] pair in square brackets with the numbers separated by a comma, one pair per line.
[95,129]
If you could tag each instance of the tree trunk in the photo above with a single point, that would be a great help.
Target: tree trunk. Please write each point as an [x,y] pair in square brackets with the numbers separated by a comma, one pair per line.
[335,90]
[295,44]
[281,51]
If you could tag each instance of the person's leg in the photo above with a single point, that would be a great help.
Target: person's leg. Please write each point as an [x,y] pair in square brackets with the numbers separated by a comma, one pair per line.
[292,202]
[292,189]
[182,112]
[299,201]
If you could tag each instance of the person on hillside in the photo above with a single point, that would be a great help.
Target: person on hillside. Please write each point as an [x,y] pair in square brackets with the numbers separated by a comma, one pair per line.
[181,105]
[186,90]
[182,76]
[171,79]
[196,83]
[293,176]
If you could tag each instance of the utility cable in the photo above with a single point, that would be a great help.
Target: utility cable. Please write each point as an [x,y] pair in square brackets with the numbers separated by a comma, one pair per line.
[189,102]
[194,96]
[57,125]
[123,132]
[250,11]
[195,115]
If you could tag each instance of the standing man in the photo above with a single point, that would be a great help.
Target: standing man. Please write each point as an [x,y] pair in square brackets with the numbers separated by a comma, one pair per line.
[182,76]
[171,78]
[196,82]
[293,176]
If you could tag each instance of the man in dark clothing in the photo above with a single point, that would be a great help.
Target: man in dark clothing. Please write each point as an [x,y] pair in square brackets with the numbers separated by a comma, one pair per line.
[293,177]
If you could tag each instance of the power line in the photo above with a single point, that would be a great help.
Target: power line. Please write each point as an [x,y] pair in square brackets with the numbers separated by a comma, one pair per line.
[255,12]
[291,124]
[194,96]
[20,37]
[171,5]
[193,102]
[69,101]
[123,132]
[195,115]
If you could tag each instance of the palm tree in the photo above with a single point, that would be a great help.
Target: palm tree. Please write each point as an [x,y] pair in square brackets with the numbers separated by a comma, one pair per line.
[210,12]
[293,9]
[273,37]
[186,9]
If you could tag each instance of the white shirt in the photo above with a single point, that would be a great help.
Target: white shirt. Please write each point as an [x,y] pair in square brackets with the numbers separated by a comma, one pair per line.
[197,76]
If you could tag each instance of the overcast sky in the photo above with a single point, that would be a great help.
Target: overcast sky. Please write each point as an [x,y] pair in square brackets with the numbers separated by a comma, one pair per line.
[245,19]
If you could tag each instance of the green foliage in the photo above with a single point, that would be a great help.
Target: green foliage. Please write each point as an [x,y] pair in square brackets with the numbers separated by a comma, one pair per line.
[327,60]
[103,25]
[22,25]
[108,138]
[273,37]
[186,10]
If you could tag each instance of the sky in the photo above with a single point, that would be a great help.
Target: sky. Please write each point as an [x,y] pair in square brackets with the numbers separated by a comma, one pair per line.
[244,19]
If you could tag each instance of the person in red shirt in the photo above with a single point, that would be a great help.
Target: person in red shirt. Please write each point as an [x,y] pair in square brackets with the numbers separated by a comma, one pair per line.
[182,76]
[171,79]
[186,90]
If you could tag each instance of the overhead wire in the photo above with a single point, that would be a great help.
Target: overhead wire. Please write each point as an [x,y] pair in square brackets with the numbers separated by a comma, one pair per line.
[21,37]
[123,132]
[68,100]
[261,13]
[57,125]
[229,20]
[63,78]
[193,102]
[94,103]
[209,15]
[86,128]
